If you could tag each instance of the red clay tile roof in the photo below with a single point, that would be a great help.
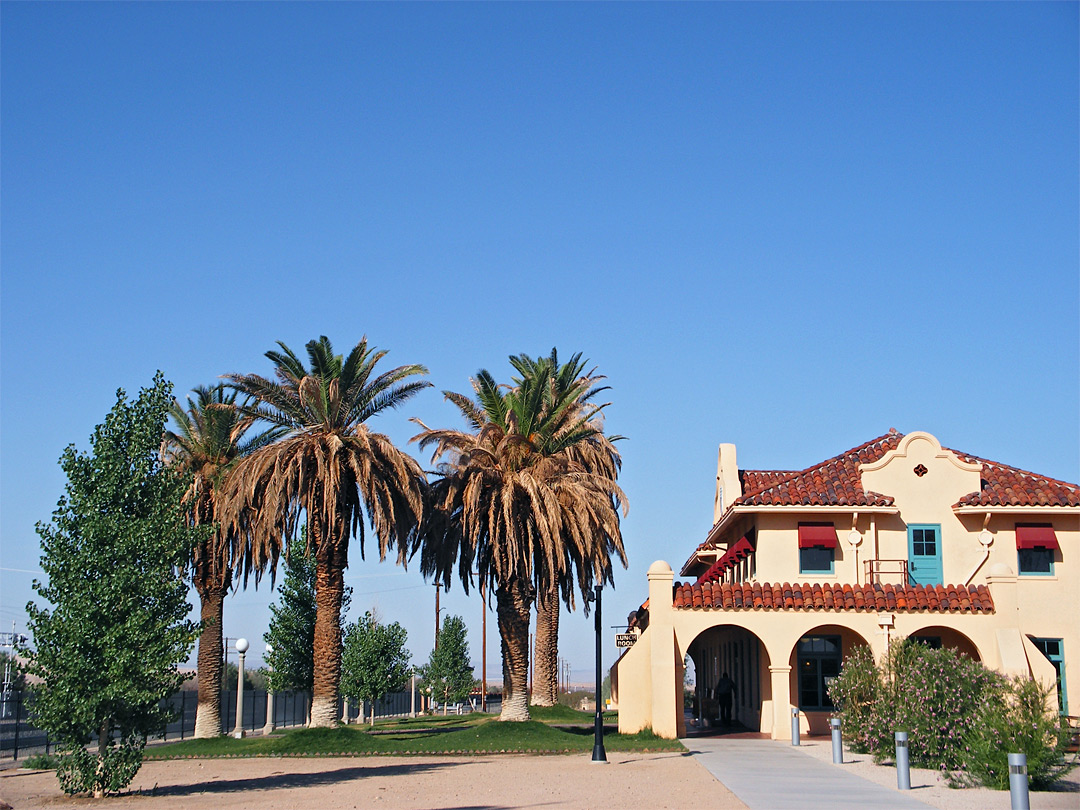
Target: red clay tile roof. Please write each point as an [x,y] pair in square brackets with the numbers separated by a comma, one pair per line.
[1003,485]
[835,482]
[754,481]
[874,598]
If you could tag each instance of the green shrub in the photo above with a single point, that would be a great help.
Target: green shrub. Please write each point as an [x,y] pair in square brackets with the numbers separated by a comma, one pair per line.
[1016,722]
[41,762]
[81,771]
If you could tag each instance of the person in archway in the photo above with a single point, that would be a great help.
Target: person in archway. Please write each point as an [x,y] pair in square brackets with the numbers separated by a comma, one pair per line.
[725,691]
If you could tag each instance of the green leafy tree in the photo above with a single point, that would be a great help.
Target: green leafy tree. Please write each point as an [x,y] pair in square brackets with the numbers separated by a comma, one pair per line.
[109,648]
[232,671]
[374,661]
[448,675]
[292,626]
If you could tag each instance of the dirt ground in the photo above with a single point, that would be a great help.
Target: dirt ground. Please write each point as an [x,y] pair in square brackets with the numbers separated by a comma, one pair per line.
[665,780]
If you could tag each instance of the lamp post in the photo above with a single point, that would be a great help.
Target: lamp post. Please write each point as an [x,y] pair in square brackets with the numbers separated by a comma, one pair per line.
[241,648]
[598,753]
[269,727]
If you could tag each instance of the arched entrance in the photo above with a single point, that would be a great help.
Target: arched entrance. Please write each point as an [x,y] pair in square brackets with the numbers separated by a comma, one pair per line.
[815,660]
[947,637]
[731,649]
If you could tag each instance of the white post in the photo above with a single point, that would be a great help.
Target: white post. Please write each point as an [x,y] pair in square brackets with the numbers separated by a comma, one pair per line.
[412,695]
[241,648]
[269,727]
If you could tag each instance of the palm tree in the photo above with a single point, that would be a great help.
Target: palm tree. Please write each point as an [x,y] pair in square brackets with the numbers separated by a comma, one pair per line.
[597,453]
[207,441]
[331,468]
[514,499]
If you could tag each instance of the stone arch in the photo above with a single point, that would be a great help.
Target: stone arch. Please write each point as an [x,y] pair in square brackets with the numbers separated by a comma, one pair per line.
[816,657]
[939,635]
[733,648]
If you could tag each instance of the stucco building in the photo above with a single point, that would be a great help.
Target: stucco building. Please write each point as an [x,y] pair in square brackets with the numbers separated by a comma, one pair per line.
[898,537]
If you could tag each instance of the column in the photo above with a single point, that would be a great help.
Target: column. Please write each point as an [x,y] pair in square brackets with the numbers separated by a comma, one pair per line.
[781,701]
[667,712]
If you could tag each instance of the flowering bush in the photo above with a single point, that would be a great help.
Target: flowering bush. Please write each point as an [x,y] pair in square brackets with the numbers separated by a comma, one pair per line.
[934,695]
[1018,722]
[857,694]
[961,717]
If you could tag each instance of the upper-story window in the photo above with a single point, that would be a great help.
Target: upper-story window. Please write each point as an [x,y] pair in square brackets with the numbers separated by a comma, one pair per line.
[1036,544]
[817,548]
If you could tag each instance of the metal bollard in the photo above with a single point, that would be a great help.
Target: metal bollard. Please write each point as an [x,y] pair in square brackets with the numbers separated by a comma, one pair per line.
[1018,782]
[903,763]
[837,743]
[795,727]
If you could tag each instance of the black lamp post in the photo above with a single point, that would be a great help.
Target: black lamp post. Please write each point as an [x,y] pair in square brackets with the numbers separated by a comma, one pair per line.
[598,753]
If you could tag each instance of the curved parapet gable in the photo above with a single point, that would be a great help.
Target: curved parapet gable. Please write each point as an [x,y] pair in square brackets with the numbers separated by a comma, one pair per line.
[905,450]
[920,471]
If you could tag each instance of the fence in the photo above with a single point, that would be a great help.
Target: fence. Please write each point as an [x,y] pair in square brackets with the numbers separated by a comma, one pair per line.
[20,737]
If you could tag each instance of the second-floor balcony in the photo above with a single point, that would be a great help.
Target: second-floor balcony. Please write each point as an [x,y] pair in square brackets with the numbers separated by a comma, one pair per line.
[881,572]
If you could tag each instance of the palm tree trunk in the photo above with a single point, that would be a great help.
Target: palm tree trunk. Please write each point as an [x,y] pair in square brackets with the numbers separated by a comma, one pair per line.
[208,713]
[546,678]
[326,674]
[514,608]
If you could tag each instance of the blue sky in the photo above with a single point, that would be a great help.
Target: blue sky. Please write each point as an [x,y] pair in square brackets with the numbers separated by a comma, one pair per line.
[788,226]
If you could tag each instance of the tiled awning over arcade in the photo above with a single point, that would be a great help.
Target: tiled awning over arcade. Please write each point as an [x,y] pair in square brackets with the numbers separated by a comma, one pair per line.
[769,596]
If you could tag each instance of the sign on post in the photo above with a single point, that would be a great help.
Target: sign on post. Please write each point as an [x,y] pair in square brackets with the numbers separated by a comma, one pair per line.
[625,639]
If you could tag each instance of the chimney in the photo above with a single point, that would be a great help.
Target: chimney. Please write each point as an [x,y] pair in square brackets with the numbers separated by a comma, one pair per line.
[728,487]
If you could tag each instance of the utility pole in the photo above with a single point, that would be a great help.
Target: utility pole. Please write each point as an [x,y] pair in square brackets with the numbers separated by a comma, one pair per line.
[10,641]
[225,661]
[437,587]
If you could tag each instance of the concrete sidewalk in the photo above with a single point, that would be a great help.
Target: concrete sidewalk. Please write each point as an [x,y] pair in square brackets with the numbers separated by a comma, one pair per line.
[771,775]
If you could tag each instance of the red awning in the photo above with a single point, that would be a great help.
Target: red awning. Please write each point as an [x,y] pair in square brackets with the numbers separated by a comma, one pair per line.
[817,534]
[1039,536]
[729,559]
[742,549]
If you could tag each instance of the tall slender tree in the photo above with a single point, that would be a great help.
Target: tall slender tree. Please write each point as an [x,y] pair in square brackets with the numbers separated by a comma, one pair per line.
[329,470]
[109,647]
[207,438]
[514,500]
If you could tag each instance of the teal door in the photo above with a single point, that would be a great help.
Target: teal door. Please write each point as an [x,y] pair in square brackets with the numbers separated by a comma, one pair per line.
[1054,649]
[924,554]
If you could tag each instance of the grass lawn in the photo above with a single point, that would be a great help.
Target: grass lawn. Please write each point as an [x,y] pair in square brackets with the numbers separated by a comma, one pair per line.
[553,730]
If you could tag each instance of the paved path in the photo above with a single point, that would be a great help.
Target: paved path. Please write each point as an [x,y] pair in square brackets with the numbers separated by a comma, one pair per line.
[771,775]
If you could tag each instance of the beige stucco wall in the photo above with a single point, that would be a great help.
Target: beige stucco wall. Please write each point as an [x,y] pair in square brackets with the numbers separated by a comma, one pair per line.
[1037,606]
[649,674]
[978,548]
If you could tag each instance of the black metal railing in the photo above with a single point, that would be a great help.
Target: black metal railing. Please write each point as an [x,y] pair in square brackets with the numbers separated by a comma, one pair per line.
[19,737]
[876,569]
